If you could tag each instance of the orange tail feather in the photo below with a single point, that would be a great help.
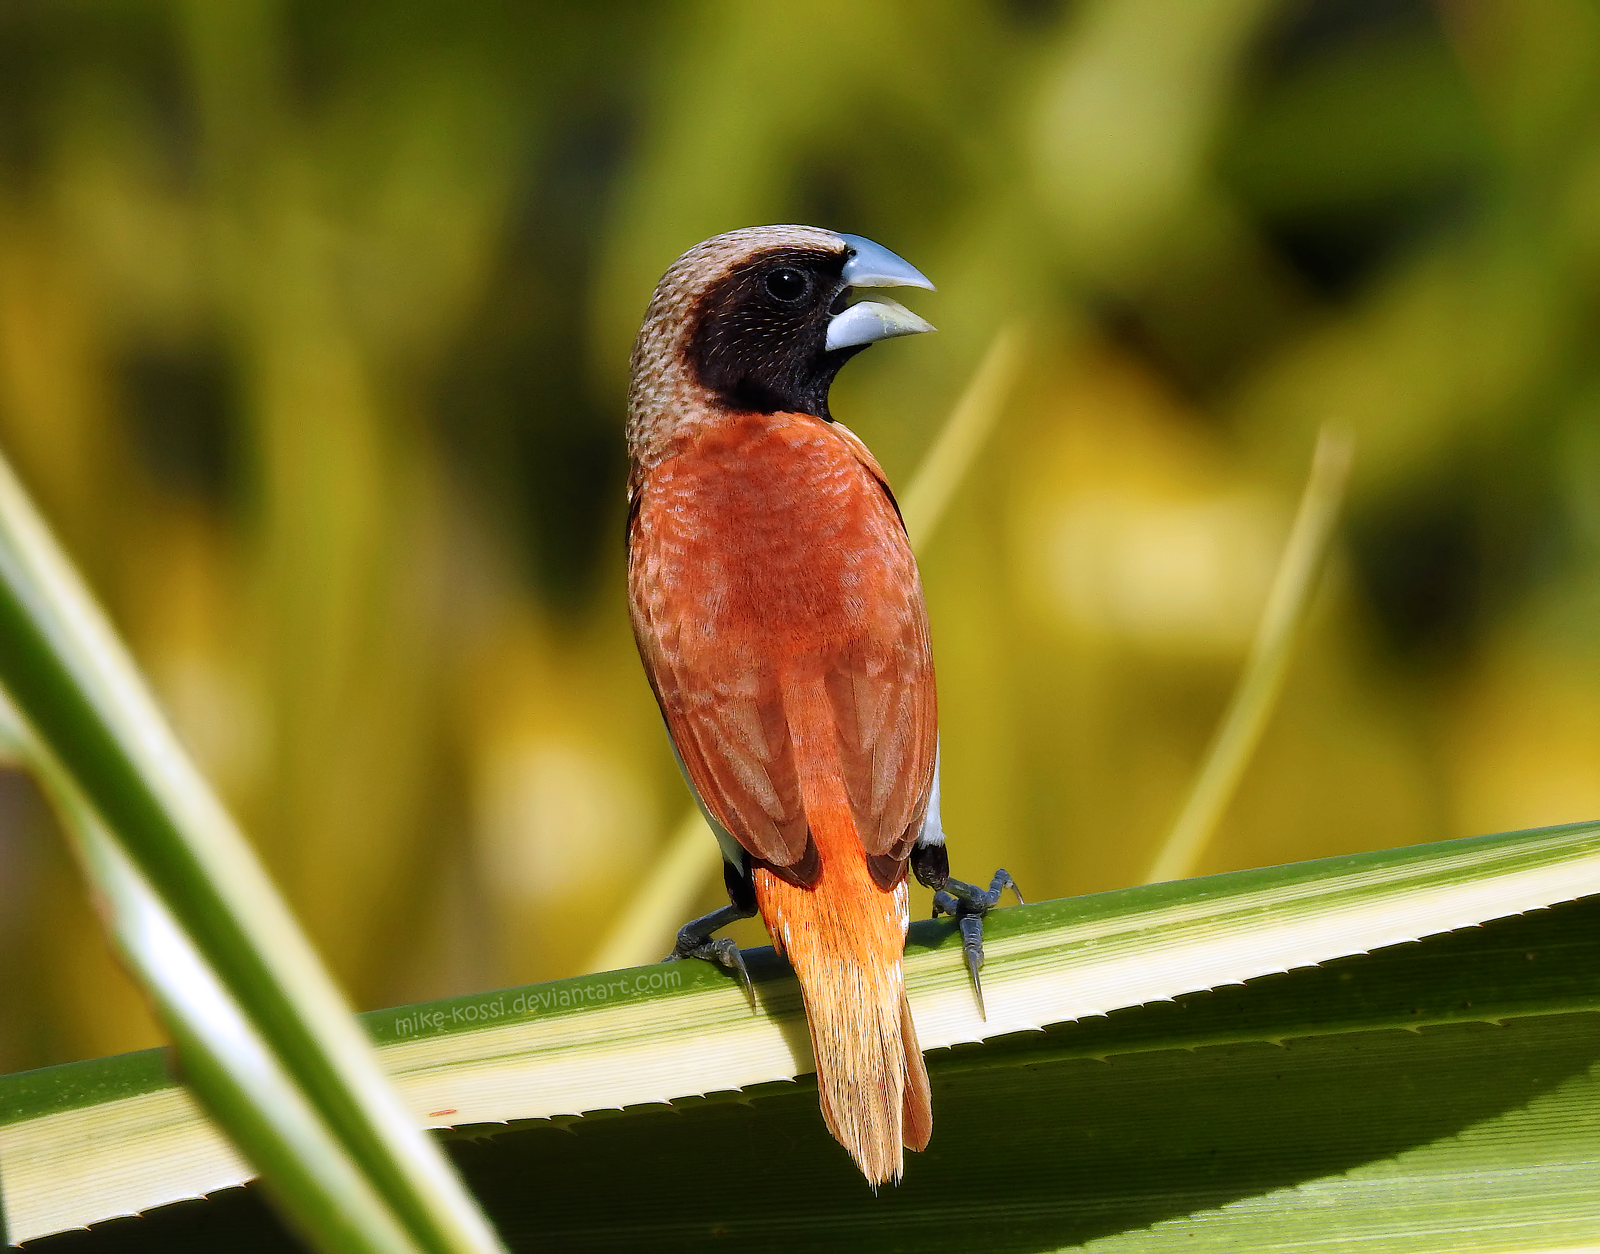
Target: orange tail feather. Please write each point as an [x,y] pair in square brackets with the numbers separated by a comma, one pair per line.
[845,937]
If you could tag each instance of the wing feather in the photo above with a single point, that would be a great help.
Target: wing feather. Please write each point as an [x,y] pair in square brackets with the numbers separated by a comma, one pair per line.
[764,559]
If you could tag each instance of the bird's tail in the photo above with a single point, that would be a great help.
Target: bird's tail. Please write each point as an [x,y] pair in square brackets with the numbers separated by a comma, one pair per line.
[845,937]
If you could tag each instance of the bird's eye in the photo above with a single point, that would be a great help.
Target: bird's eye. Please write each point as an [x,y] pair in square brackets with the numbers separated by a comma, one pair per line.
[787,285]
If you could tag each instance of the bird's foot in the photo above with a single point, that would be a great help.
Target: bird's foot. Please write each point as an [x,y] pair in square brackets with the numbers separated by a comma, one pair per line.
[695,941]
[967,904]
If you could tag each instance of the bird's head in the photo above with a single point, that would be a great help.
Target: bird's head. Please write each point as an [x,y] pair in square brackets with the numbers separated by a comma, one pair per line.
[761,319]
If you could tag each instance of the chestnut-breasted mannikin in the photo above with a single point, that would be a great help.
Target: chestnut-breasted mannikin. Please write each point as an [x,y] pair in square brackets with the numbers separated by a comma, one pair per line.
[780,617]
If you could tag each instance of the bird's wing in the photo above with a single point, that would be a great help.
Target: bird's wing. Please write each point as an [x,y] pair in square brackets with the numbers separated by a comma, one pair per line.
[723,712]
[883,693]
[728,729]
[729,700]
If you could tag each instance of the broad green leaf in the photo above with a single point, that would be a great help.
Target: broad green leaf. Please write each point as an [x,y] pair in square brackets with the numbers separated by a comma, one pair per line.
[174,862]
[1098,973]
[1363,1105]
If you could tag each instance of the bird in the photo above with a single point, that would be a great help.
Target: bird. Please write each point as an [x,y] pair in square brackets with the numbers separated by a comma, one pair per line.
[780,618]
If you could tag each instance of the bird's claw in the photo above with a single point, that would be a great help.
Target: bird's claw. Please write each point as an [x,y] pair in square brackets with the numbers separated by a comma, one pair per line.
[723,952]
[967,904]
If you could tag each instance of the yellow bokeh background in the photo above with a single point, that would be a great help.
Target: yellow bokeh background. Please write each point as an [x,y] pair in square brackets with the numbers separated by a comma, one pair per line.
[314,323]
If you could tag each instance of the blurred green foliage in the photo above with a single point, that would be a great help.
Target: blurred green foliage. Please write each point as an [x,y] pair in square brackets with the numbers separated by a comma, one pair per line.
[314,322]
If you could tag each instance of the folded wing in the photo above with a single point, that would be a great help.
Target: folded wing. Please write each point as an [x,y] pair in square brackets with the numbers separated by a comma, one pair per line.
[742,599]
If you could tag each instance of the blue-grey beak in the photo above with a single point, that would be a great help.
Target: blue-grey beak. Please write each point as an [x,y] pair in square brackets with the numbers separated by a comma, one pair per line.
[873,265]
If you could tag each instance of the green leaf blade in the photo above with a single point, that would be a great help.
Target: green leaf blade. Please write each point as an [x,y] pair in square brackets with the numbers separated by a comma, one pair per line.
[651,1038]
[82,698]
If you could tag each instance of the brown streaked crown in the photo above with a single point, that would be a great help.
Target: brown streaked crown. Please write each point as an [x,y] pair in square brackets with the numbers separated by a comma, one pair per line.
[738,322]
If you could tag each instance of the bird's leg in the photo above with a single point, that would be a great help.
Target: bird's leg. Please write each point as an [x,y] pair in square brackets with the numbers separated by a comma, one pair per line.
[965,903]
[694,937]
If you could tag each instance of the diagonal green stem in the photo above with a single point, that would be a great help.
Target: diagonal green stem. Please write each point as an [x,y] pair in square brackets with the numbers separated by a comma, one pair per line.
[225,1060]
[1262,680]
[78,690]
[963,435]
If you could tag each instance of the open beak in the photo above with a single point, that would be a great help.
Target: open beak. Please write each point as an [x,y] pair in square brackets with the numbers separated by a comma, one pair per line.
[867,321]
